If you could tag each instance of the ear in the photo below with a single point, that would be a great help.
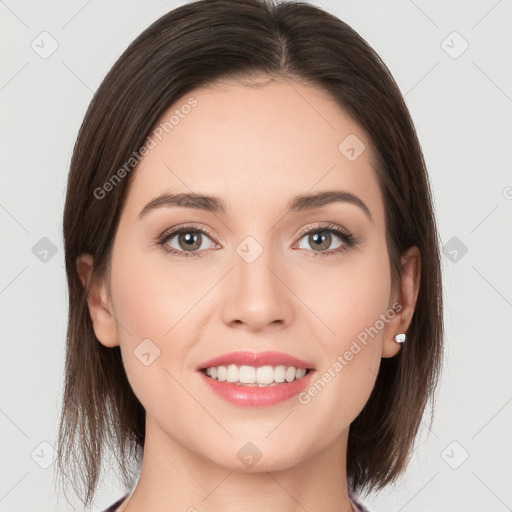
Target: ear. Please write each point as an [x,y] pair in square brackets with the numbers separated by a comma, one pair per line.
[103,321]
[405,295]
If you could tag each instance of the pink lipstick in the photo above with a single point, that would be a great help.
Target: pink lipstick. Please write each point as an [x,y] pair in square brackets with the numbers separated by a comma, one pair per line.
[268,377]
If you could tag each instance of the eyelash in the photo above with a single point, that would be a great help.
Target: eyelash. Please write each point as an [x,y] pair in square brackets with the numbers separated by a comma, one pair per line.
[349,240]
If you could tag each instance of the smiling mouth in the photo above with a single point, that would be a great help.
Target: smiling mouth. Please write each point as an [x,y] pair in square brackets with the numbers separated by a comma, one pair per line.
[250,376]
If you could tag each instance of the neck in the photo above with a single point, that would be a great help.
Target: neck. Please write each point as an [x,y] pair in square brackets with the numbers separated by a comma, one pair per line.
[173,477]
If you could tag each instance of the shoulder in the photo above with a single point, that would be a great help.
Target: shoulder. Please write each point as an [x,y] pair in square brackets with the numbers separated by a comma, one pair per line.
[114,506]
[356,503]
[361,507]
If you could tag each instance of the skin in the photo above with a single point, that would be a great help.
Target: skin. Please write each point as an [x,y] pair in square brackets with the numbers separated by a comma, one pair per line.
[255,148]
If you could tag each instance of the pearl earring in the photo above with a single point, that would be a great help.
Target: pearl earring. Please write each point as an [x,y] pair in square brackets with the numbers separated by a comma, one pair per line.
[399,338]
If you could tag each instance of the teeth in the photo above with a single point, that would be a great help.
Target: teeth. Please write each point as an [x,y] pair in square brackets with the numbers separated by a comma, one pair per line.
[261,376]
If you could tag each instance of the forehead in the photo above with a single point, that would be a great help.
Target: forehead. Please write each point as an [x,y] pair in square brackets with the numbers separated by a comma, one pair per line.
[255,146]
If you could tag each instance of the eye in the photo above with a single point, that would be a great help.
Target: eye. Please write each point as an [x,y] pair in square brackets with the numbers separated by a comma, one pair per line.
[190,241]
[322,237]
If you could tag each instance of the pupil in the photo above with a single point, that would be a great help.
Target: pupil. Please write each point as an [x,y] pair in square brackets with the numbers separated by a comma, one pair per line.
[321,238]
[190,239]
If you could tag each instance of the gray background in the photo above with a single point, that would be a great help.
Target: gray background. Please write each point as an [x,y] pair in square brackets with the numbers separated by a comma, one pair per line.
[461,105]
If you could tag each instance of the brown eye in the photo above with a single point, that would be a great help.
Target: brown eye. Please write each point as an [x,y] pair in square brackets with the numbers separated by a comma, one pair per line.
[189,240]
[321,240]
[185,241]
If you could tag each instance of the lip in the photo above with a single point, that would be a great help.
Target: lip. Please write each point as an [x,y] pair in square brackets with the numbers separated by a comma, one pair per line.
[255,396]
[257,359]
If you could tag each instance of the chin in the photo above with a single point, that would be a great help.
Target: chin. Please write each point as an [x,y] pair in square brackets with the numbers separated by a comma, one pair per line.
[255,458]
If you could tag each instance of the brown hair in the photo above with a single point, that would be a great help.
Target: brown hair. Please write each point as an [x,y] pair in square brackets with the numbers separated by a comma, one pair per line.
[190,47]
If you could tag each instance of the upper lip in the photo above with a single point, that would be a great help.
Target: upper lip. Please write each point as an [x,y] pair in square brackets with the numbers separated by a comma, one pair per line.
[256,359]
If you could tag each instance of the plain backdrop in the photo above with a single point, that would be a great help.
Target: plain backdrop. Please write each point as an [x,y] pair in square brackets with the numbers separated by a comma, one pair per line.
[452,61]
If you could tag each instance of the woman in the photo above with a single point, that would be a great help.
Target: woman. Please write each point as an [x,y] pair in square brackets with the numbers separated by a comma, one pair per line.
[255,302]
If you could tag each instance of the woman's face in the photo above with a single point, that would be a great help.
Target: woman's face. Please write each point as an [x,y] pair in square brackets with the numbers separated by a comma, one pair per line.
[262,277]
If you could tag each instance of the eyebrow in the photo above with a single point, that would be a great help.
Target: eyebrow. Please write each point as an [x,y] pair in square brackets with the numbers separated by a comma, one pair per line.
[216,205]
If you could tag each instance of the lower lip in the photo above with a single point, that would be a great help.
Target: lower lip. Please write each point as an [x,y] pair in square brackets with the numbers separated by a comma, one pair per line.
[256,396]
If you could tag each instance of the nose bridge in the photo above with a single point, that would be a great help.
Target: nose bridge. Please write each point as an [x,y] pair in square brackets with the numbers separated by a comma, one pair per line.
[254,263]
[257,294]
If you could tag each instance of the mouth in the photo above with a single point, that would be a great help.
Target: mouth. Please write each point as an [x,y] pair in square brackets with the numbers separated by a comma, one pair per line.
[256,378]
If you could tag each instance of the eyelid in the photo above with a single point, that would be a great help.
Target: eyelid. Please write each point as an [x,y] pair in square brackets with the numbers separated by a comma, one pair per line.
[322,225]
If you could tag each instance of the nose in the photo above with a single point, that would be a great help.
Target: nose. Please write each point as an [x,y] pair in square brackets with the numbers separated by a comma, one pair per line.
[256,293]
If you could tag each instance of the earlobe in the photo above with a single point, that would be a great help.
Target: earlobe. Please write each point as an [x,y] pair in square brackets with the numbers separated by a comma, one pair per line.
[100,311]
[406,296]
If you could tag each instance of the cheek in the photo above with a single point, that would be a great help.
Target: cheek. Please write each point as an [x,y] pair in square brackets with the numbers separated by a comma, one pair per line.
[149,301]
[149,308]
[152,308]
[351,305]
[349,297]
